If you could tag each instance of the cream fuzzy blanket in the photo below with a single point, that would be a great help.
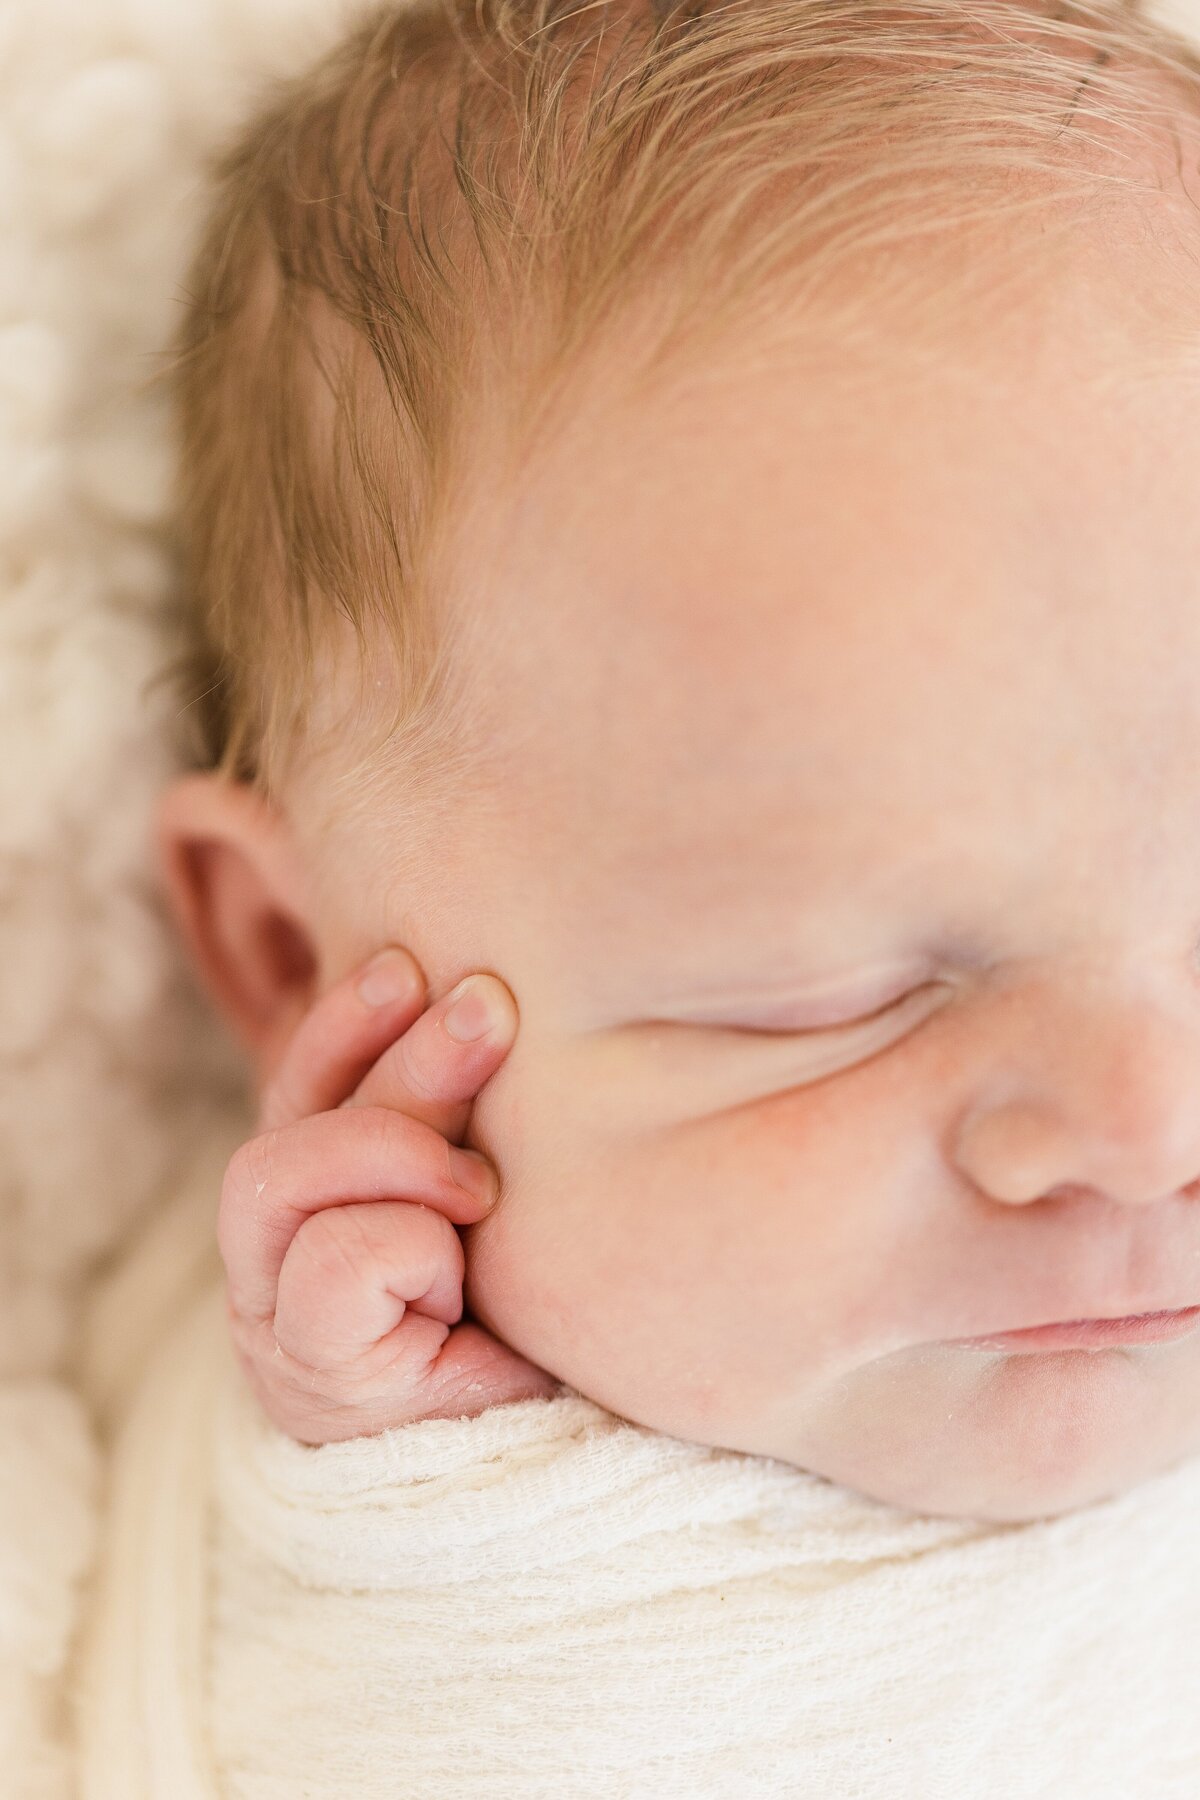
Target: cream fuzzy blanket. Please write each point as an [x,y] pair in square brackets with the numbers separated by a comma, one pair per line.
[188,1603]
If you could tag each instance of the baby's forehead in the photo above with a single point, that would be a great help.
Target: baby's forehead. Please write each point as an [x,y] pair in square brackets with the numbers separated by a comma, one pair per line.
[790,604]
[790,489]
[810,560]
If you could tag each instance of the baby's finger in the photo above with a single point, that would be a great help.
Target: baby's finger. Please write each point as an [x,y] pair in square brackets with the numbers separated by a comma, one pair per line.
[352,1273]
[421,1370]
[434,1071]
[340,1037]
[276,1181]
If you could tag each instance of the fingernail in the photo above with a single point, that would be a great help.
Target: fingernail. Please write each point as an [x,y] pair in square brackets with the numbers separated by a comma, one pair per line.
[389,976]
[474,1173]
[477,1007]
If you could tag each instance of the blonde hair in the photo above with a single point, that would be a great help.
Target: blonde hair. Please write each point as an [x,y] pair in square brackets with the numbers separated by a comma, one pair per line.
[462,196]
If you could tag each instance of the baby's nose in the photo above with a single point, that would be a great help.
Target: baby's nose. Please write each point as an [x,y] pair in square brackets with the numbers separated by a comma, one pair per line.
[1104,1099]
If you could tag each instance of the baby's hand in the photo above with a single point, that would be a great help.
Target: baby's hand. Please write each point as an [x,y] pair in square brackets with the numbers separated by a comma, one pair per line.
[337,1227]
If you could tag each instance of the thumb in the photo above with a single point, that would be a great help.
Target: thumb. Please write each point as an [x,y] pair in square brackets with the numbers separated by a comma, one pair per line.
[475,1371]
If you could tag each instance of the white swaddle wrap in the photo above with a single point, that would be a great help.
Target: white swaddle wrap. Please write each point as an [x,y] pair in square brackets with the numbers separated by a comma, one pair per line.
[547,1600]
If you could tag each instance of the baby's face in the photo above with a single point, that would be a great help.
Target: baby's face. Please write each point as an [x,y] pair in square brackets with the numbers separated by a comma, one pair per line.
[842,852]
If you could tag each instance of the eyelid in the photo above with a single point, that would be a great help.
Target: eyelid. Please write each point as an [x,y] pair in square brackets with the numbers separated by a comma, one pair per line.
[857,1023]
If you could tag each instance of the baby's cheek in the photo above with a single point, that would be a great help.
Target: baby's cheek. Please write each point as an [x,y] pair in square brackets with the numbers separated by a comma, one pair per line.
[680,1271]
[544,1271]
[637,1273]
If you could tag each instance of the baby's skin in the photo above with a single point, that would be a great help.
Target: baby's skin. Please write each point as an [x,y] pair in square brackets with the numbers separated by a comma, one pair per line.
[337,1218]
[830,811]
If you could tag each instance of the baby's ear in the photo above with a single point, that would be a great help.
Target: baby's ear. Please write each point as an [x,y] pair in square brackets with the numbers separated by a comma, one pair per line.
[236,887]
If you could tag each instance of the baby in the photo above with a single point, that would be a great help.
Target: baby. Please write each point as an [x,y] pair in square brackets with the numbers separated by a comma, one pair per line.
[689,515]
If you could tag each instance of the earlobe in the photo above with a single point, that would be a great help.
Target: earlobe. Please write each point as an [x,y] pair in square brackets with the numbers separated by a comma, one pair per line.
[237,891]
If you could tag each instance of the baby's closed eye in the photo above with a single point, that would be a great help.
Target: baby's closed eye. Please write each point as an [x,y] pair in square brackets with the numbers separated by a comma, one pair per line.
[794,1018]
[655,1072]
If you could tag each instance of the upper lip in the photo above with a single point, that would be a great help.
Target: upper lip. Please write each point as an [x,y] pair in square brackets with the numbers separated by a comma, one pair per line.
[1133,1312]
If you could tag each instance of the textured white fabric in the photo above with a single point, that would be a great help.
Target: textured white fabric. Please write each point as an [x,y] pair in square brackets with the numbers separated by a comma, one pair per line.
[547,1600]
[117,1099]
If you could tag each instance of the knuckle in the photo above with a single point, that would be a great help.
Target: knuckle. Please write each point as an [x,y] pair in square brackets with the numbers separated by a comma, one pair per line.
[248,1175]
[418,1069]
[393,1138]
[245,1333]
[251,1165]
[327,1243]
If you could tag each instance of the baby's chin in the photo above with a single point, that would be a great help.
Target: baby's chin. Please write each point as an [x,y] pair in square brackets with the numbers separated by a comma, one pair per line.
[1003,1436]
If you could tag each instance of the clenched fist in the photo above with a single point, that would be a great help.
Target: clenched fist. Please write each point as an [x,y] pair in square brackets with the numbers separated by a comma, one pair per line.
[337,1219]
